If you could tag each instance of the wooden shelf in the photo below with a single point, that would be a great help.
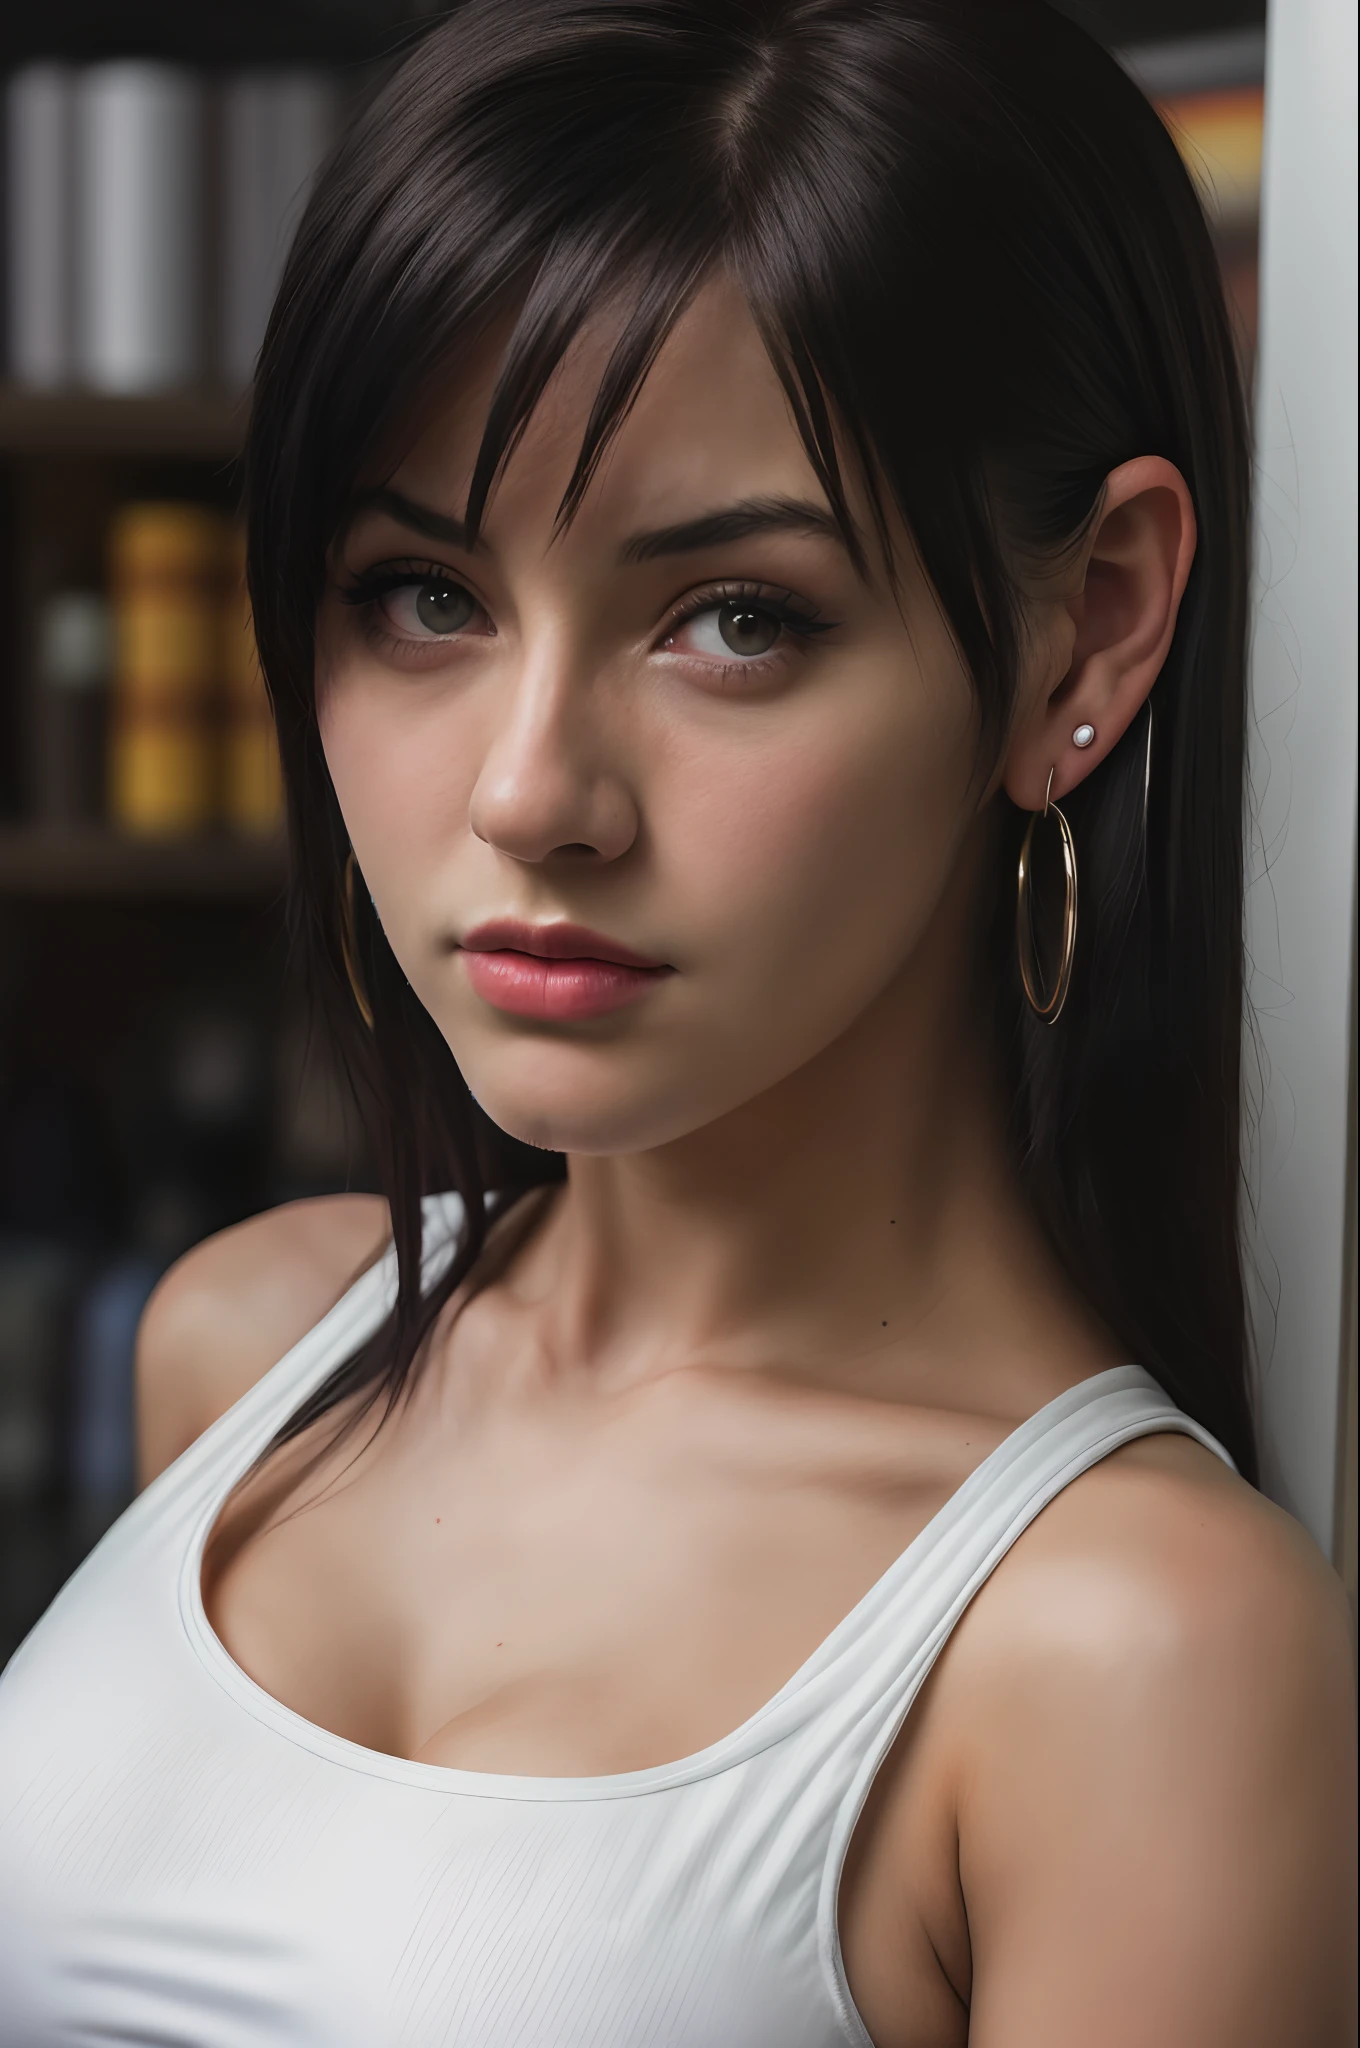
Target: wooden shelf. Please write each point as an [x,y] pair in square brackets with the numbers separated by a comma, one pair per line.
[95,862]
[208,426]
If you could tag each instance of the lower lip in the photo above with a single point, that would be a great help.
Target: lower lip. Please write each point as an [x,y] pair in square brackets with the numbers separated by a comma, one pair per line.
[557,991]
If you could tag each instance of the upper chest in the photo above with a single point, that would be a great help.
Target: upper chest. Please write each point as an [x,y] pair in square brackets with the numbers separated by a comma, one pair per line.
[580,1593]
[575,1587]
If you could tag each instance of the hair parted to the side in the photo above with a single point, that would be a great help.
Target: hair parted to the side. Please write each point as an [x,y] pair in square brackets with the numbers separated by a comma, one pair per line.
[985,281]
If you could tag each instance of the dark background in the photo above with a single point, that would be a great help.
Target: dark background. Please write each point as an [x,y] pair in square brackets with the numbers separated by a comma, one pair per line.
[358,31]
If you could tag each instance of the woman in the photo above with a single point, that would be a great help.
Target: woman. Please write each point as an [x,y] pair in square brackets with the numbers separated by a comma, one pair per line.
[748,510]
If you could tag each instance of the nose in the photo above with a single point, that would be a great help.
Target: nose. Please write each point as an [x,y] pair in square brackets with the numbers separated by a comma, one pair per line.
[549,782]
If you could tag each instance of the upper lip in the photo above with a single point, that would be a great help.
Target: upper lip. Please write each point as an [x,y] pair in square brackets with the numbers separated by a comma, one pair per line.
[551,942]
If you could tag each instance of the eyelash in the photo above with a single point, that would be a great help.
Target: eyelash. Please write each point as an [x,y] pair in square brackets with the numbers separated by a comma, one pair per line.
[366,591]
[800,623]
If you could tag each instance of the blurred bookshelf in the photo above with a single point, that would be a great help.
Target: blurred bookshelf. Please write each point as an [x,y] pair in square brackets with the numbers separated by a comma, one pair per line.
[92,863]
[194,425]
[157,1077]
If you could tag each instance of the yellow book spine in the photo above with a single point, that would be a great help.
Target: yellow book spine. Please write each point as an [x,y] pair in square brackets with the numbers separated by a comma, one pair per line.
[161,777]
[166,574]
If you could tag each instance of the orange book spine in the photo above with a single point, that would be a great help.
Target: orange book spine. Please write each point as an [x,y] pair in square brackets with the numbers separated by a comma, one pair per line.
[166,564]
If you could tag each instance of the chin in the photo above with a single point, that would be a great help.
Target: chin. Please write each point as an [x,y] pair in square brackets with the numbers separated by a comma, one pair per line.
[588,1107]
[602,1130]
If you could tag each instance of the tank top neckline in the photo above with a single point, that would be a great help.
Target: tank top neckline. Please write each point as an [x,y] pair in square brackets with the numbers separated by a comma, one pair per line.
[768,1724]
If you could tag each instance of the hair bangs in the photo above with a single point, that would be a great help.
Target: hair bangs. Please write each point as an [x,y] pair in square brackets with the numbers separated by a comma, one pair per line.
[588,277]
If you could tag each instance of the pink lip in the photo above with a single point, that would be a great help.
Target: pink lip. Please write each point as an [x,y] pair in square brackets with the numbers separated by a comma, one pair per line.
[560,973]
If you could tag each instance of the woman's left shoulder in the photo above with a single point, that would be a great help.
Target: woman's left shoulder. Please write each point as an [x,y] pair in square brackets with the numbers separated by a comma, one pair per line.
[1163,1554]
[1169,1650]
[1150,1713]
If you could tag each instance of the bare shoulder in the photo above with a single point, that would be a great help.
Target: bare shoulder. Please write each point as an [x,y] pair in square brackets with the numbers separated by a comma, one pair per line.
[1173,1555]
[230,1308]
[1155,1712]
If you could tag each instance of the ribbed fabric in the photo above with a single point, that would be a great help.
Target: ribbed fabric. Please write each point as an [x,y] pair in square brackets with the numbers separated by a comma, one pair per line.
[185,1863]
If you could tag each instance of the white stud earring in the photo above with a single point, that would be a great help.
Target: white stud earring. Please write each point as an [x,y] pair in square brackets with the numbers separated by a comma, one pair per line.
[1083,736]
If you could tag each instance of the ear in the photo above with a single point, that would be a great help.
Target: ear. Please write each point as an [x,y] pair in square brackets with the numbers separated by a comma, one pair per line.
[1121,606]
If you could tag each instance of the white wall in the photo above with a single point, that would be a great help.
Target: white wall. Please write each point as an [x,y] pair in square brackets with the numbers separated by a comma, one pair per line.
[1301,897]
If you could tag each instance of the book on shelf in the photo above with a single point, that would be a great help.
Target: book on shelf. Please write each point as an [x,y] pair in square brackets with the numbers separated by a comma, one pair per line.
[68,728]
[39,260]
[165,565]
[191,735]
[275,128]
[138,230]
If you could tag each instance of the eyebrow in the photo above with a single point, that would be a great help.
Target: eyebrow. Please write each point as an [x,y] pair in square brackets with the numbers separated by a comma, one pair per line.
[740,521]
[734,522]
[407,512]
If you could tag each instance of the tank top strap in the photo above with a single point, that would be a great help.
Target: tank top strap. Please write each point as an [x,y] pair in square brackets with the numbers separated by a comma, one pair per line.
[877,1659]
[853,1706]
[242,1432]
[973,1532]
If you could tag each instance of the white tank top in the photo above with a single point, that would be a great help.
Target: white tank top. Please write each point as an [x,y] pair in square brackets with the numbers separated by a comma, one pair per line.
[185,1863]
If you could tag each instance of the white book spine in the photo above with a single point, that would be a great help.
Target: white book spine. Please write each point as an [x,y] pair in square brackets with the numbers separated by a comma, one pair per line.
[276,127]
[139,201]
[38,196]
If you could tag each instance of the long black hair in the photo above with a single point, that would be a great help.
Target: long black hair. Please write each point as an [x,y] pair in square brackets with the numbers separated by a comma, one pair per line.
[985,280]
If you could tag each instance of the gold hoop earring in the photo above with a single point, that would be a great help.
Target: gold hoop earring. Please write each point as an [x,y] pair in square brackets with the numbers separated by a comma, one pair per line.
[347,944]
[1048,1008]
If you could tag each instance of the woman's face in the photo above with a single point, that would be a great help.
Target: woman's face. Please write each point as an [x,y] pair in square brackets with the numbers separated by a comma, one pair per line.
[685,725]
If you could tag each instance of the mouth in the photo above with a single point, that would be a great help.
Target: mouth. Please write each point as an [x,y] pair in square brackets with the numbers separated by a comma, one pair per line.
[555,973]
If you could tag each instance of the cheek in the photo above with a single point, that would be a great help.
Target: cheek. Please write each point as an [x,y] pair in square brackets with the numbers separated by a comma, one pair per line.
[402,777]
[834,841]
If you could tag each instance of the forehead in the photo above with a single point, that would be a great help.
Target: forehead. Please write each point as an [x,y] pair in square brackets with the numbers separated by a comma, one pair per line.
[710,423]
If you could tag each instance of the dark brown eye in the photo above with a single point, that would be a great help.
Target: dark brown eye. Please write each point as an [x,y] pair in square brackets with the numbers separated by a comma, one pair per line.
[443,607]
[747,630]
